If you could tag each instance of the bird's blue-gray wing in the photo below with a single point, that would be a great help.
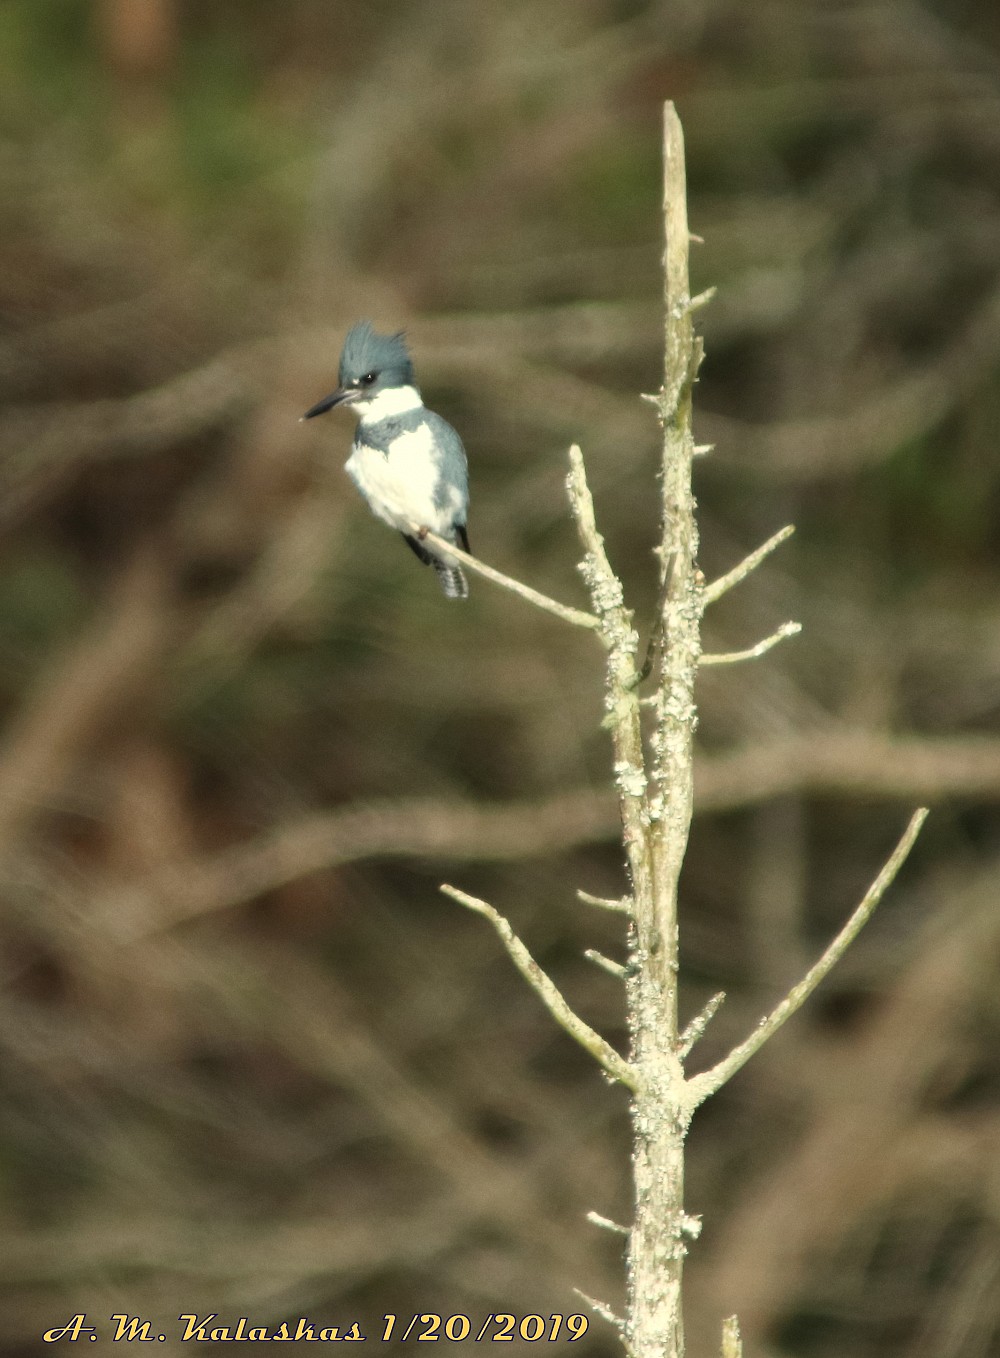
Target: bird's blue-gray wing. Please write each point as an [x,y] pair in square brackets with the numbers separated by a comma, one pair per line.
[453,470]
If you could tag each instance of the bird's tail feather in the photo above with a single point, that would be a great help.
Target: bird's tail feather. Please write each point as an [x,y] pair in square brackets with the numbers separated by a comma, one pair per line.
[452,580]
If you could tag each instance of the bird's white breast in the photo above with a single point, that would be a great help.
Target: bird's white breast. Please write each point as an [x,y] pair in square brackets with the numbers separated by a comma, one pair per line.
[399,485]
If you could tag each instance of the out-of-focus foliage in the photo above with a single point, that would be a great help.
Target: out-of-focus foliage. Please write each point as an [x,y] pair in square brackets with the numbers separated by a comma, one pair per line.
[251,1061]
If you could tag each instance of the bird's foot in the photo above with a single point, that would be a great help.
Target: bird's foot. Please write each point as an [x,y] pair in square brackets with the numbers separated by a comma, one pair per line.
[422,532]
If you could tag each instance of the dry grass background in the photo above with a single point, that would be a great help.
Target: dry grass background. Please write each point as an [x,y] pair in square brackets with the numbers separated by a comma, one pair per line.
[251,1061]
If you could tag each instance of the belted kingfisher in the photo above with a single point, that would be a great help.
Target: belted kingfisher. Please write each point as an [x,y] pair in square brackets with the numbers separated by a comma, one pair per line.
[407,462]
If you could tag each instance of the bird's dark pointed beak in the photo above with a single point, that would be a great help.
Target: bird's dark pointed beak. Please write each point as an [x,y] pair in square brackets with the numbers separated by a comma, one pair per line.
[342,396]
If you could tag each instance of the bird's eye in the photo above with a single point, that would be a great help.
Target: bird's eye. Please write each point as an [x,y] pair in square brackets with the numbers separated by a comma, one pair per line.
[368,379]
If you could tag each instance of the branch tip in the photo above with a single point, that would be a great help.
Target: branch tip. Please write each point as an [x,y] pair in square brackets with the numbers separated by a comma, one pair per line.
[702,299]
[605,963]
[787,629]
[700,1087]
[750,563]
[602,1309]
[623,906]
[732,1341]
[613,1063]
[606,1224]
[695,1030]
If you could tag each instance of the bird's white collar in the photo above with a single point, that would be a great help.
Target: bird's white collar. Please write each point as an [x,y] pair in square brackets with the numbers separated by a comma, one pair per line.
[392,401]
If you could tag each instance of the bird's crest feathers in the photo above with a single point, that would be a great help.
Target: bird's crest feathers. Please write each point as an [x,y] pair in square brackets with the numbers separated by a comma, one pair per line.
[365,351]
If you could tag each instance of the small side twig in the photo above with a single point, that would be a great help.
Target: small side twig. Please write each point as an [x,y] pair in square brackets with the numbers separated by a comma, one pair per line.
[700,1087]
[717,588]
[605,963]
[606,1224]
[602,1309]
[732,1340]
[695,1030]
[622,906]
[787,629]
[695,303]
[616,1066]
[576,616]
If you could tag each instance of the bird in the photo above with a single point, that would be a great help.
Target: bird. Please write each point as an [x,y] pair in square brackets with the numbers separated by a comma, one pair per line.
[408,463]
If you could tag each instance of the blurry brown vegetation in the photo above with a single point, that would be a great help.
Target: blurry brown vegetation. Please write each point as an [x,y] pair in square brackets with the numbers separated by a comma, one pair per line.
[252,1062]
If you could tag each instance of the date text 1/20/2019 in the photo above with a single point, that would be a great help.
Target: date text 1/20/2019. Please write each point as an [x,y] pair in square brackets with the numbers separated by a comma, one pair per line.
[497,1328]
[421,1327]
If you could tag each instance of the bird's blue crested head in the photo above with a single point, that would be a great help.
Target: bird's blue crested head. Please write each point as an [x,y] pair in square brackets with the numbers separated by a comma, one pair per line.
[374,362]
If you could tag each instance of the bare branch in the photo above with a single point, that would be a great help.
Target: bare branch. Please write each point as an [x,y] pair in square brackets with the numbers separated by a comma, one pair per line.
[606,1224]
[623,717]
[701,1086]
[576,616]
[702,299]
[602,1309]
[695,1030]
[866,1120]
[616,1066]
[732,1342]
[605,963]
[604,586]
[656,1247]
[623,906]
[787,629]
[750,563]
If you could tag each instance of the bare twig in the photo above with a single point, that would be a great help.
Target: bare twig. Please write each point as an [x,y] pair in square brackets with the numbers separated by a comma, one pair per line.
[622,906]
[732,1342]
[695,1030]
[717,588]
[605,963]
[602,1309]
[702,299]
[623,715]
[701,1086]
[787,629]
[616,1066]
[606,1224]
[865,1136]
[576,616]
